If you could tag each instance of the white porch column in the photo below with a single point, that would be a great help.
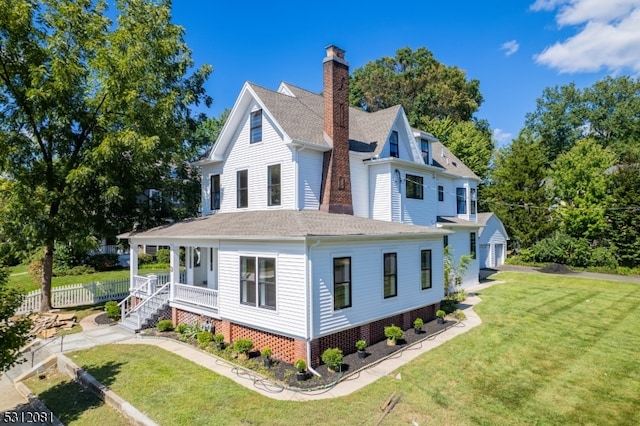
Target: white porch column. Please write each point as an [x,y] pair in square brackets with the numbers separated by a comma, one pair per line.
[188,261]
[174,262]
[133,264]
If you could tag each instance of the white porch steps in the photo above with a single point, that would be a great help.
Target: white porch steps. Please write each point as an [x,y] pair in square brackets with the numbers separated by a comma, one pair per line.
[146,314]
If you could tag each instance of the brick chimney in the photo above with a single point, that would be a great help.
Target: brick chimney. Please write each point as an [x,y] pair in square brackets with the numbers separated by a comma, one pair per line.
[336,174]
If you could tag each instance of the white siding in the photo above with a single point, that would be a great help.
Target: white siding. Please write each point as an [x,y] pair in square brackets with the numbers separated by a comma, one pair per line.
[208,170]
[359,186]
[289,318]
[309,179]
[380,192]
[368,302]
[419,211]
[256,157]
[459,245]
[492,237]
[447,207]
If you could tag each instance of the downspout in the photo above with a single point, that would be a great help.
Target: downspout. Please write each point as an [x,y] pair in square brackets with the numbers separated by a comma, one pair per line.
[310,305]
[296,195]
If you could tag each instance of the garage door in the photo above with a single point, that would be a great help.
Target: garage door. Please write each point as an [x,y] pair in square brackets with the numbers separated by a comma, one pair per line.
[499,254]
[485,256]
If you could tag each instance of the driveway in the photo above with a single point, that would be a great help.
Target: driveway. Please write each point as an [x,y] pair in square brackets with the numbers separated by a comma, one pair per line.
[486,273]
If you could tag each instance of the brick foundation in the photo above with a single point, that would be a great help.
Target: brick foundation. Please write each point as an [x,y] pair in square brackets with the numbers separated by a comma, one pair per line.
[288,349]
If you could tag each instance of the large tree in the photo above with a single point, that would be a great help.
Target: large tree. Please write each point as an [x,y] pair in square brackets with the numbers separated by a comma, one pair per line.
[91,113]
[608,112]
[436,98]
[517,191]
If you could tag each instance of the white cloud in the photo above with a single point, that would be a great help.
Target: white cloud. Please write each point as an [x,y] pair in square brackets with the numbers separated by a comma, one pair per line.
[501,136]
[608,35]
[510,47]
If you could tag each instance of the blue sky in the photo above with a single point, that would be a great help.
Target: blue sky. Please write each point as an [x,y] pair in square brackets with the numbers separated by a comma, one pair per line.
[515,48]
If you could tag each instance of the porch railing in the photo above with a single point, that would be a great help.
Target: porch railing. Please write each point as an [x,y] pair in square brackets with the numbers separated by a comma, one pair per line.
[195,295]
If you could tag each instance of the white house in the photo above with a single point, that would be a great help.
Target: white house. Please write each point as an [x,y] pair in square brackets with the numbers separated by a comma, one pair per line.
[492,239]
[321,224]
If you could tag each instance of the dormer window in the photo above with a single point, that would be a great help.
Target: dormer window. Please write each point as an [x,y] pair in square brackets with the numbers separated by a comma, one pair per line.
[394,149]
[256,126]
[424,147]
[461,200]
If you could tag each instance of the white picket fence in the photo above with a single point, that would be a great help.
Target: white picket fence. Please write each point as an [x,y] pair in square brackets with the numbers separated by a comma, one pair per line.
[81,294]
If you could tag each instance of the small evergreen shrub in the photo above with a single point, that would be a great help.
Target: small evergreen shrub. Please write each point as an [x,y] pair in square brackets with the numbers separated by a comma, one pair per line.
[333,358]
[112,309]
[448,305]
[300,365]
[243,346]
[144,258]
[440,313]
[181,328]
[266,352]
[204,339]
[393,332]
[165,325]
[218,338]
[361,345]
[418,323]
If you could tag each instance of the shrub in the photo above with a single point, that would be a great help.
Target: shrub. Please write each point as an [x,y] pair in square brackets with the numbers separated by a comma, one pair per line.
[62,271]
[181,328]
[243,346]
[218,338]
[165,325]
[460,315]
[163,256]
[333,358]
[393,332]
[361,345]
[448,305]
[440,313]
[190,331]
[418,323]
[112,309]
[300,365]
[104,262]
[204,339]
[266,352]
[144,258]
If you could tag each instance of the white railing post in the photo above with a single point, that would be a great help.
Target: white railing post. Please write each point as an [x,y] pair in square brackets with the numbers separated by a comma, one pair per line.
[153,284]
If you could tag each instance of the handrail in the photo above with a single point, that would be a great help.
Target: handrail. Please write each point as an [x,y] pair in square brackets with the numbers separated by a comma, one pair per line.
[33,353]
[135,292]
[158,291]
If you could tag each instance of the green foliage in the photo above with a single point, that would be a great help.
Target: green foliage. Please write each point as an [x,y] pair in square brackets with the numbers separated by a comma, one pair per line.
[163,256]
[218,338]
[361,345]
[144,258]
[418,323]
[266,352]
[448,305]
[94,112]
[567,250]
[243,345]
[14,332]
[104,262]
[333,358]
[165,325]
[204,339]
[417,81]
[393,332]
[112,309]
[300,365]
[76,270]
[181,328]
[440,313]
[453,272]
[517,193]
[190,331]
[460,315]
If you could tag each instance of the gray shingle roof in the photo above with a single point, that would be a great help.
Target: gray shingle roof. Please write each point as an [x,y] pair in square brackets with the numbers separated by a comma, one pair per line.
[282,224]
[301,116]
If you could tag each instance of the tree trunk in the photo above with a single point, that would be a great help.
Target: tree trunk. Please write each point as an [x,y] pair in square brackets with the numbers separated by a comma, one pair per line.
[47,274]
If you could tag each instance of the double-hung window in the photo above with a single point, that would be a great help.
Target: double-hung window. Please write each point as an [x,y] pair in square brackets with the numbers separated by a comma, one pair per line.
[414,187]
[394,148]
[424,147]
[242,185]
[261,290]
[472,244]
[440,193]
[425,269]
[273,185]
[215,192]
[474,205]
[256,126]
[390,275]
[341,283]
[461,200]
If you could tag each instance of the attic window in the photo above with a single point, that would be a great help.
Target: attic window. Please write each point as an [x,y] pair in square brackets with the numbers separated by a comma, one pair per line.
[393,145]
[256,126]
[424,147]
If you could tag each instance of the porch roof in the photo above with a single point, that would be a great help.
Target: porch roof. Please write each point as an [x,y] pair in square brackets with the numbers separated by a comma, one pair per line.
[282,224]
[453,221]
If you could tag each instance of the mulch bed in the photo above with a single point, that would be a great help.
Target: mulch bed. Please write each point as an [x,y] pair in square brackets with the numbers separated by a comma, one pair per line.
[285,373]
[103,319]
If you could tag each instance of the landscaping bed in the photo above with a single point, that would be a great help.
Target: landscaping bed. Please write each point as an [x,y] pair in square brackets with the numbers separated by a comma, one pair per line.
[285,373]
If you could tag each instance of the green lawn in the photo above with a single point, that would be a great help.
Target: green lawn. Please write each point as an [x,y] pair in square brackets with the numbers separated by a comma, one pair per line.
[551,350]
[20,279]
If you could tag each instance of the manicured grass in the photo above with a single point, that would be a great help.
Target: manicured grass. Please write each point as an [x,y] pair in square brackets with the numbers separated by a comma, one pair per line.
[70,403]
[26,283]
[551,350]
